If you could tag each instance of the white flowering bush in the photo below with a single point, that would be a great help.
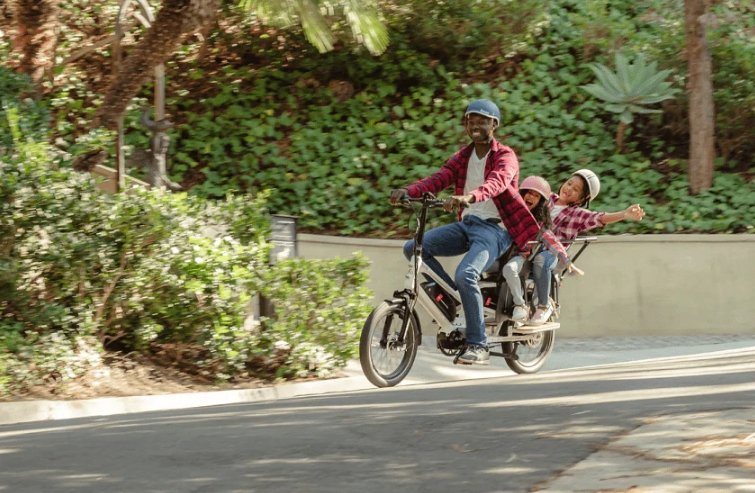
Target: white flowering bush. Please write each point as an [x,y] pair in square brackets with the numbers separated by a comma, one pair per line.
[168,275]
[319,309]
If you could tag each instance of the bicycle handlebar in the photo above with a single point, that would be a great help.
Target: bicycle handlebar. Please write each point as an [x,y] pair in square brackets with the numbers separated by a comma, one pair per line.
[575,241]
[429,201]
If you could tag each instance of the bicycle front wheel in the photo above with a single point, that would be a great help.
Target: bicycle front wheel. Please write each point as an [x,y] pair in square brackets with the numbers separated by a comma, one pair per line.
[385,358]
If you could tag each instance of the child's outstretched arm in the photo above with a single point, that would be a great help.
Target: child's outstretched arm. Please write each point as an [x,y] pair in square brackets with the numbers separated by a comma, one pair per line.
[634,213]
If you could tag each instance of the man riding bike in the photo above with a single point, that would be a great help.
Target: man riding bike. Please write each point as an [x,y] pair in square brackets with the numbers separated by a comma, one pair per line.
[485,176]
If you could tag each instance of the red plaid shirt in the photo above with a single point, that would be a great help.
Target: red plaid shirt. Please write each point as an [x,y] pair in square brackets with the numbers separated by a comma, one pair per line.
[572,220]
[501,184]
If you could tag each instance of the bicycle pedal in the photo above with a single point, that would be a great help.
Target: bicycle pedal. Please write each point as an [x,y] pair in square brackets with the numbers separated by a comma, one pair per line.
[456,358]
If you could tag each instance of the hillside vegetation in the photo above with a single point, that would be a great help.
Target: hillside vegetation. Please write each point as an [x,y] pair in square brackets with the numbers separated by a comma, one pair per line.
[330,134]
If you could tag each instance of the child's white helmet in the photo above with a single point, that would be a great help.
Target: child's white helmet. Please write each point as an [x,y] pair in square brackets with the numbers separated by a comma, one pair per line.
[593,183]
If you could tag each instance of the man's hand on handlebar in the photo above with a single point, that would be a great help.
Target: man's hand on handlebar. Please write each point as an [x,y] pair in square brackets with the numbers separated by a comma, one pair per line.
[397,195]
[457,201]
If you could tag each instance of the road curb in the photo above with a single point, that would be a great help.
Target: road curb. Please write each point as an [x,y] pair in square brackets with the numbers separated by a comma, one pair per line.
[436,369]
[46,410]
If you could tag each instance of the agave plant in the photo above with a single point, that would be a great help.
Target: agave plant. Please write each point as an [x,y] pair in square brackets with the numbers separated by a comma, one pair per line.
[628,90]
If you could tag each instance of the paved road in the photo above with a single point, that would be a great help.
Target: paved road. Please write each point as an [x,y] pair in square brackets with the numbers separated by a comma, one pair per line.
[558,431]
[431,366]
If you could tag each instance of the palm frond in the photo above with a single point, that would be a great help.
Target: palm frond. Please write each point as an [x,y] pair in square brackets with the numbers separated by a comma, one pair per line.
[361,15]
[279,13]
[315,27]
[367,27]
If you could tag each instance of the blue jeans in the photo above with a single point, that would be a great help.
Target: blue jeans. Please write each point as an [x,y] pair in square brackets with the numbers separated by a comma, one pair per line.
[542,267]
[482,243]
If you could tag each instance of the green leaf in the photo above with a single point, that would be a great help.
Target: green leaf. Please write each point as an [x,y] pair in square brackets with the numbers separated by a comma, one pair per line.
[626,117]
[601,92]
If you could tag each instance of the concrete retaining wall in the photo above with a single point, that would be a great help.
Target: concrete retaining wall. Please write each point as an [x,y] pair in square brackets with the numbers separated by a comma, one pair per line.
[633,285]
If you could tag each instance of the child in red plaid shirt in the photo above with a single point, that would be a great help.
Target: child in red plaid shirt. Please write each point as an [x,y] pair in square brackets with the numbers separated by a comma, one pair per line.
[569,218]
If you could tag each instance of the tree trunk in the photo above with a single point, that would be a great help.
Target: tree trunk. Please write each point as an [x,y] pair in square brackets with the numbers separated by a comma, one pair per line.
[6,16]
[175,19]
[36,36]
[700,89]
[619,139]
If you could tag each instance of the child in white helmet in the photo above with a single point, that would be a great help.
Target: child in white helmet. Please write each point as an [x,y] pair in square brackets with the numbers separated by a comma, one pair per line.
[536,192]
[570,217]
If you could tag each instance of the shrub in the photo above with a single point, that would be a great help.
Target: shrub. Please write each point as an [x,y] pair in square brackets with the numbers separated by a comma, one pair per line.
[167,275]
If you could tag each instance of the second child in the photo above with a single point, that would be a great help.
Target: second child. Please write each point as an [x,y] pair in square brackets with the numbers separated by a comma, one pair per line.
[570,216]
[536,192]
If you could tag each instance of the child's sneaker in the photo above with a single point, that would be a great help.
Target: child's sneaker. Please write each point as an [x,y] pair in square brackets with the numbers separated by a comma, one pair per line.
[520,313]
[542,314]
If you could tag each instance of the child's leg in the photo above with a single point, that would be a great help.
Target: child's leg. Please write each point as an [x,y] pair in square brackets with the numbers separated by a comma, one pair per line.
[511,273]
[542,267]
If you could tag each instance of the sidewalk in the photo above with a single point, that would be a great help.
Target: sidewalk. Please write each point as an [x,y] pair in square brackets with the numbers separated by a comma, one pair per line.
[703,452]
[710,452]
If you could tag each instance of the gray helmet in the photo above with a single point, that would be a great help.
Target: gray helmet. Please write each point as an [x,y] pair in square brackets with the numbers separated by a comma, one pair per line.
[484,107]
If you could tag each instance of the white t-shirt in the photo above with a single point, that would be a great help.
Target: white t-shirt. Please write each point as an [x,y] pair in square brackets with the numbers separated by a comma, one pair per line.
[475,178]
[556,210]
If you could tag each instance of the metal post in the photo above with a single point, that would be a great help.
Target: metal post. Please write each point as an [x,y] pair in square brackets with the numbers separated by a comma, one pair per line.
[120,169]
[145,17]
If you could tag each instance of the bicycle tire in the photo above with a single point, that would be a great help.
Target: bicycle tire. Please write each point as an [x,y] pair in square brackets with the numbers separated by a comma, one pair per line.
[384,361]
[540,345]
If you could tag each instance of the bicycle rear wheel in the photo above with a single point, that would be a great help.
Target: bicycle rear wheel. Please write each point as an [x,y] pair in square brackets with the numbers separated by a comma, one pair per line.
[384,358]
[529,356]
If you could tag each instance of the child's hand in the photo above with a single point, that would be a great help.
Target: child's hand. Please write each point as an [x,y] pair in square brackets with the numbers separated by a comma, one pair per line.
[634,212]
[573,270]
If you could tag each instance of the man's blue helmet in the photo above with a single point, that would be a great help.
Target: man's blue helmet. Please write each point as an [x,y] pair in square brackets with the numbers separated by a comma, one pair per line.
[484,107]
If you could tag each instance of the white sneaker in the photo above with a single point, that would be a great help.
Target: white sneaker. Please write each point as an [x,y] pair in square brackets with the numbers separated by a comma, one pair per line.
[541,315]
[520,313]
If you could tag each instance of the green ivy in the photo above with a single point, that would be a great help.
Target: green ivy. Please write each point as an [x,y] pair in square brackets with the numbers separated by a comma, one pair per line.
[260,112]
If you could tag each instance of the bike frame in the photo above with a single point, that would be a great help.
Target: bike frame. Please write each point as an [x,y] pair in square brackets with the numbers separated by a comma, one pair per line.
[413,295]
[387,349]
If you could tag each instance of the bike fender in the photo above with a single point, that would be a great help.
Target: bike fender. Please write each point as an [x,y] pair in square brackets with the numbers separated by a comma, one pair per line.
[401,300]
